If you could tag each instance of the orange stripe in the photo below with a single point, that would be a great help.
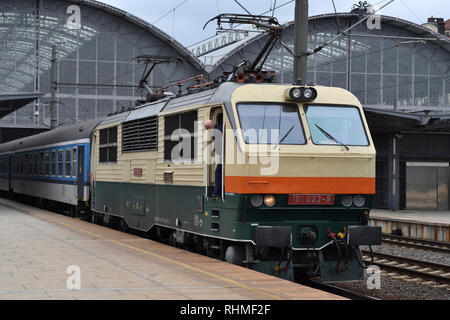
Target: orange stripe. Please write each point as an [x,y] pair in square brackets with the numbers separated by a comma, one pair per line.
[335,185]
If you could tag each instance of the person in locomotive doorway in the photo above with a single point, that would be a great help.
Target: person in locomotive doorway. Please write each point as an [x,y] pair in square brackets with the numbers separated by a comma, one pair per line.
[211,125]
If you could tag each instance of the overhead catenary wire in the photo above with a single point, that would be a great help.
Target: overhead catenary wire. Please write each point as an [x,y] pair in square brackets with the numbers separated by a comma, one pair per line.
[418,18]
[248,12]
[233,27]
[103,83]
[172,10]
[337,16]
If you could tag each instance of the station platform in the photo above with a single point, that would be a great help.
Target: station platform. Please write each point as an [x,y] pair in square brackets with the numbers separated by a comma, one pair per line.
[424,224]
[38,246]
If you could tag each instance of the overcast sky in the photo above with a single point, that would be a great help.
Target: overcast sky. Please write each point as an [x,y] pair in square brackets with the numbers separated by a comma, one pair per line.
[186,22]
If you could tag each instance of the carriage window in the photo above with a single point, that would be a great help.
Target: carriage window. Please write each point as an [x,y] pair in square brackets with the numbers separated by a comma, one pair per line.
[36,164]
[47,164]
[108,145]
[271,123]
[336,124]
[21,161]
[53,164]
[181,128]
[74,162]
[25,165]
[41,163]
[60,163]
[68,168]
[30,163]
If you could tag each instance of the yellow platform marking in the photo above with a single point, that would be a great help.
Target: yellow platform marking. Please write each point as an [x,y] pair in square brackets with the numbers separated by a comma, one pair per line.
[184,265]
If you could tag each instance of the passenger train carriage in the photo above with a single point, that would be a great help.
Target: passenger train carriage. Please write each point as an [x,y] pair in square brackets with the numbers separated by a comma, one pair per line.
[298,175]
[52,166]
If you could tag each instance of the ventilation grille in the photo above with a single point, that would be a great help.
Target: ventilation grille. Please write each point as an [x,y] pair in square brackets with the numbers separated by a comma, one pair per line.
[140,134]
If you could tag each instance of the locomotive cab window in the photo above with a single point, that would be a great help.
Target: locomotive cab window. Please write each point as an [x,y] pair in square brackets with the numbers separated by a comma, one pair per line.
[180,137]
[330,125]
[271,124]
[108,145]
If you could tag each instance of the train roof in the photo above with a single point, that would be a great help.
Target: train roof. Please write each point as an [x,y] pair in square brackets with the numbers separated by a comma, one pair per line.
[62,134]
[220,94]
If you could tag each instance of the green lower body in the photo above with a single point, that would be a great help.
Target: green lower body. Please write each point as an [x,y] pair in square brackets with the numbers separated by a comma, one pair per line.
[232,221]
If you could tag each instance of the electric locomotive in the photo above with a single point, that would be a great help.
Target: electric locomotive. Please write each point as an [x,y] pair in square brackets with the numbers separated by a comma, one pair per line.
[297,173]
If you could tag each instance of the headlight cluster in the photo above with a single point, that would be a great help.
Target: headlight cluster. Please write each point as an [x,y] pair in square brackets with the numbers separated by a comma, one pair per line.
[257,200]
[358,200]
[301,94]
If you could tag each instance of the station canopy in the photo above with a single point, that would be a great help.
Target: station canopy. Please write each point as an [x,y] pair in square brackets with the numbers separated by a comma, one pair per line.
[402,66]
[96,70]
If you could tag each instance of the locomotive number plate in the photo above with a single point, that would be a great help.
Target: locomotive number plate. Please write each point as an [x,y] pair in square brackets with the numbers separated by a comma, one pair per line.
[312,199]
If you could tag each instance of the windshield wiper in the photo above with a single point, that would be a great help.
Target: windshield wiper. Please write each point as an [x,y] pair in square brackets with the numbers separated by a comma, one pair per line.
[285,136]
[329,136]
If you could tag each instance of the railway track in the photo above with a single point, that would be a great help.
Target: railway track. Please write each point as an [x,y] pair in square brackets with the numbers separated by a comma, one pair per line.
[411,269]
[336,290]
[415,243]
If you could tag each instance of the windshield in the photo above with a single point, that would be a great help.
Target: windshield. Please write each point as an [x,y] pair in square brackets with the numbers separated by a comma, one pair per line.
[336,125]
[271,123]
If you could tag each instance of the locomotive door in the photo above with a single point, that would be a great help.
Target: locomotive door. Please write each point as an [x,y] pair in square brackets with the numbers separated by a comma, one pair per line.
[214,175]
[80,175]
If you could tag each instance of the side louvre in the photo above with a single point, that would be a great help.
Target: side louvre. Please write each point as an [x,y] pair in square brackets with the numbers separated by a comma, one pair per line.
[140,134]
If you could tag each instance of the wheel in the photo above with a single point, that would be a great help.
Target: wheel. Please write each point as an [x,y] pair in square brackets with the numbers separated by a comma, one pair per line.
[124,226]
[106,221]
[300,274]
[94,218]
[234,255]
[73,212]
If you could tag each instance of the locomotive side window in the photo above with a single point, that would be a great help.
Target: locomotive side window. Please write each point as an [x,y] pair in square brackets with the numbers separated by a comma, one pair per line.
[330,125]
[181,129]
[108,145]
[271,123]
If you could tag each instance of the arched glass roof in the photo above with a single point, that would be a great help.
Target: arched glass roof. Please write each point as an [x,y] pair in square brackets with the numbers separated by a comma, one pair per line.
[401,66]
[96,45]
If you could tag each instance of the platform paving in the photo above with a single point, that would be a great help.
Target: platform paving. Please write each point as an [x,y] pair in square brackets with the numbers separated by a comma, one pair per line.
[38,246]
[424,224]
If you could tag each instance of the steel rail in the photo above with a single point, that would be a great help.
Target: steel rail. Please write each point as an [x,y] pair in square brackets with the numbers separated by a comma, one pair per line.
[416,268]
[417,243]
[336,290]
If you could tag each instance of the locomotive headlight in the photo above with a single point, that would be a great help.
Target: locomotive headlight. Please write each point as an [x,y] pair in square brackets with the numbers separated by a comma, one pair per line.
[256,200]
[269,200]
[308,93]
[296,93]
[347,201]
[301,94]
[359,200]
